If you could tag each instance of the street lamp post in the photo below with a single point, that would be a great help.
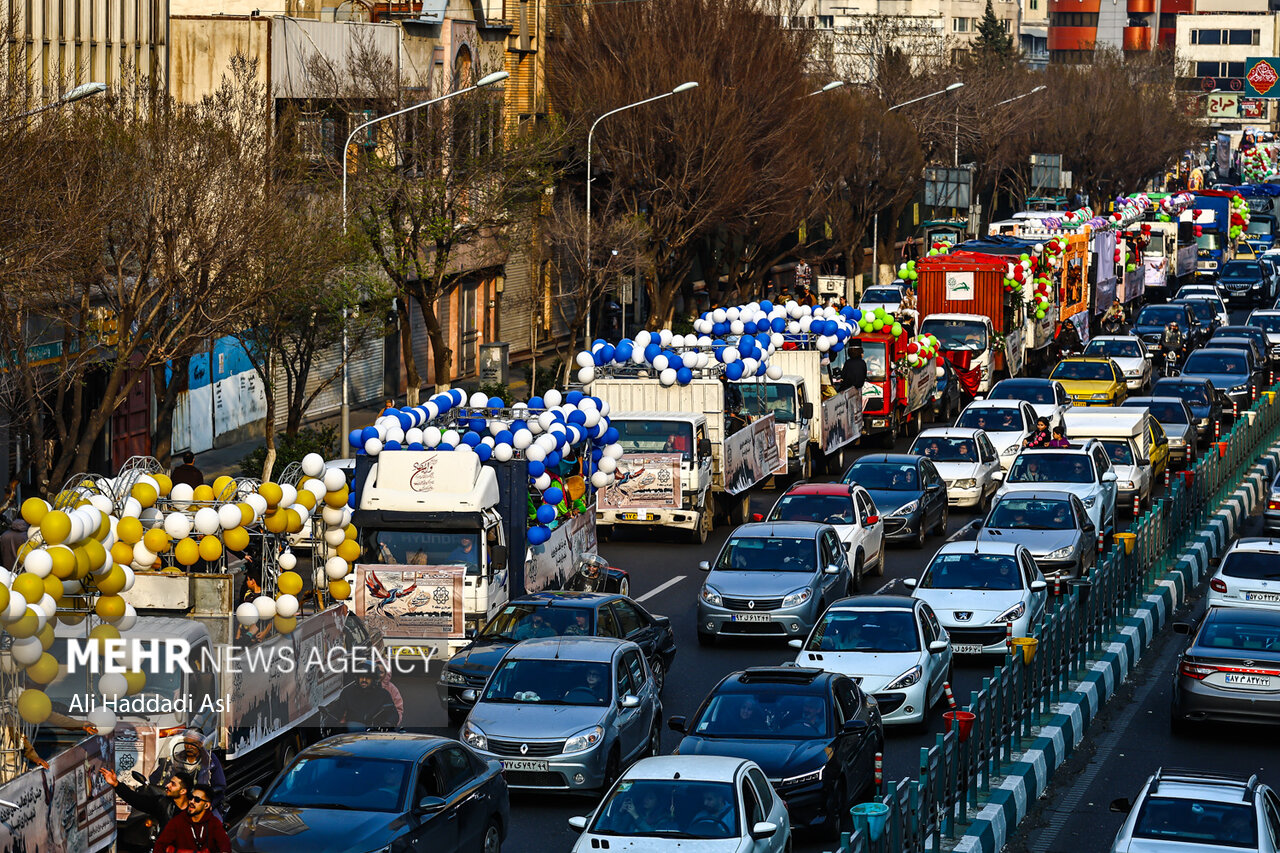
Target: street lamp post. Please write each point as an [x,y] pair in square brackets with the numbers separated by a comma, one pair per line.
[834,84]
[683,87]
[1019,97]
[79,93]
[487,80]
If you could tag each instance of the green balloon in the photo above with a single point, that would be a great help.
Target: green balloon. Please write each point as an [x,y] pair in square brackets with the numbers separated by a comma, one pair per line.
[897,329]
[913,275]
[878,325]
[1040,314]
[1024,257]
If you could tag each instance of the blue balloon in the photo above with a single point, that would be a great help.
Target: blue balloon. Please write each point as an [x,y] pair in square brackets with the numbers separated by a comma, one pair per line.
[766,306]
[761,368]
[573,398]
[366,434]
[405,420]
[624,351]
[496,403]
[354,438]
[734,370]
[391,445]
[598,402]
[484,451]
[351,499]
[391,412]
[537,469]
[684,376]
[536,403]
[444,445]
[416,445]
[478,424]
[719,329]
[652,351]
[546,514]
[856,315]
[597,454]
[504,437]
[836,347]
[607,352]
[598,342]
[553,495]
[610,435]
[538,534]
[577,417]
[745,345]
[471,438]
[459,396]
[553,458]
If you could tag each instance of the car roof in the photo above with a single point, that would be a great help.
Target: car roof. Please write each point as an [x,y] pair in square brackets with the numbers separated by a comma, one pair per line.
[1037,495]
[1015,381]
[1244,615]
[794,678]
[997,404]
[1263,544]
[769,529]
[598,649]
[1218,350]
[1131,401]
[1092,359]
[839,489]
[402,746]
[692,768]
[1005,548]
[1115,338]
[1200,784]
[1182,380]
[1076,447]
[858,602]
[890,458]
[1236,327]
[566,599]
[949,432]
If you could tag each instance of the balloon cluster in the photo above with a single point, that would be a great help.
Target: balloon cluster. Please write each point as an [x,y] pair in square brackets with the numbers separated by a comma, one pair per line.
[1173,205]
[1240,216]
[871,320]
[544,431]
[907,273]
[1032,274]
[1259,163]
[941,246]
[919,350]
[1126,211]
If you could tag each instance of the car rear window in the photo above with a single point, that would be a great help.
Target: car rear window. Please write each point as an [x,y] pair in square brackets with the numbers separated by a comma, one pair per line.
[1253,565]
[1201,821]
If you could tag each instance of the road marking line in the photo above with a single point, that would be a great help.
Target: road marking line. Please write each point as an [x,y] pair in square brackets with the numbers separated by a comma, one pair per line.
[657,589]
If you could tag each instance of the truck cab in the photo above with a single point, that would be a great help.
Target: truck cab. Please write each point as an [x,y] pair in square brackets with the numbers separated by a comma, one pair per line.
[972,333]
[893,400]
[665,474]
[787,399]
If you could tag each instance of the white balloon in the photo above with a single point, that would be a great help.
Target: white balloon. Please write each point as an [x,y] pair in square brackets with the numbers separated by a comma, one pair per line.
[503,452]
[77,526]
[72,587]
[229,516]
[521,439]
[102,502]
[287,561]
[600,479]
[586,375]
[247,614]
[287,606]
[313,464]
[431,436]
[774,372]
[143,557]
[113,685]
[151,517]
[584,359]
[317,488]
[258,502]
[27,650]
[129,578]
[39,562]
[552,398]
[48,605]
[451,438]
[534,453]
[736,327]
[336,568]
[17,606]
[131,508]
[177,525]
[288,495]
[334,536]
[335,479]
[266,607]
[542,482]
[103,719]
[479,400]
[331,515]
[607,464]
[667,377]
[207,521]
[129,619]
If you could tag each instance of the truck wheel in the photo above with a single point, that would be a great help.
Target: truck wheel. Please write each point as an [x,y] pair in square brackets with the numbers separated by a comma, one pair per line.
[698,536]
[890,436]
[604,532]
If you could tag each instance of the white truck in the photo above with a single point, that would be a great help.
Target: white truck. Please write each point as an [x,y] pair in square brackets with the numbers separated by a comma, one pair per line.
[837,421]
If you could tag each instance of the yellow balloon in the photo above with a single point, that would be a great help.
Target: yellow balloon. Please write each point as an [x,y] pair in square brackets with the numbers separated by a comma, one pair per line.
[164,484]
[26,548]
[136,681]
[95,552]
[100,633]
[145,494]
[4,598]
[104,528]
[34,509]
[210,548]
[307,499]
[71,617]
[44,670]
[272,493]
[156,540]
[246,513]
[236,539]
[285,626]
[26,626]
[31,586]
[82,561]
[277,520]
[53,588]
[336,500]
[120,552]
[129,531]
[340,589]
[55,527]
[203,495]
[110,608]
[113,583]
[46,636]
[224,488]
[349,550]
[350,531]
[294,521]
[187,551]
[34,706]
[290,583]
[64,559]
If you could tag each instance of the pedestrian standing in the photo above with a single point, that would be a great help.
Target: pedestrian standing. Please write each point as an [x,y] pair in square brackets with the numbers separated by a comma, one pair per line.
[909,248]
[804,274]
[187,472]
[11,541]
[195,829]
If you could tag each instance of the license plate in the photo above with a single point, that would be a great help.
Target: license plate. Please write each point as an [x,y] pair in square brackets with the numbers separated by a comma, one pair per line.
[751,617]
[877,422]
[523,764]
[1240,680]
[966,648]
[1262,596]
[636,516]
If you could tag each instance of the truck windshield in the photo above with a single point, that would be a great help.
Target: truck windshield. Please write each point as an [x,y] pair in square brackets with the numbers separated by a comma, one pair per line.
[957,335]
[1208,240]
[655,437]
[873,354]
[420,548]
[1119,451]
[1259,226]
[757,554]
[763,398]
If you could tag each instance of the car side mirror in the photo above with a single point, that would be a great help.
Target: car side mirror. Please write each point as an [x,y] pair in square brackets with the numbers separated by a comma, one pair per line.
[1122,805]
[939,646]
[704,447]
[578,823]
[831,570]
[873,519]
[910,583]
[1038,586]
[806,410]
[757,516]
[763,829]
[253,793]
[469,696]
[1142,463]
[796,644]
[980,397]
[1109,477]
[629,701]
[470,633]
[704,566]
[430,804]
[677,724]
[998,476]
[1182,627]
[1090,527]
[933,487]
[854,727]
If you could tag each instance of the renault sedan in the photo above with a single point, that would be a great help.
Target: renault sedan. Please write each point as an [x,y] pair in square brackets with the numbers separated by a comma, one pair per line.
[1053,525]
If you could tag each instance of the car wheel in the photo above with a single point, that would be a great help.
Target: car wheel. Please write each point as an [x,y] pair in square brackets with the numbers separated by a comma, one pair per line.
[941,529]
[701,529]
[655,740]
[492,840]
[612,768]
[918,542]
[856,584]
[838,817]
[659,670]
[880,563]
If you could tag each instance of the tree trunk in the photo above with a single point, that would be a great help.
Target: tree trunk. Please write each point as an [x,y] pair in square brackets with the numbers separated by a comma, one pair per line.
[76,458]
[441,354]
[412,381]
[167,394]
[269,431]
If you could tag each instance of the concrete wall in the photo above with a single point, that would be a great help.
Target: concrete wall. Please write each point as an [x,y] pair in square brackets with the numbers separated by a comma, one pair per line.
[201,49]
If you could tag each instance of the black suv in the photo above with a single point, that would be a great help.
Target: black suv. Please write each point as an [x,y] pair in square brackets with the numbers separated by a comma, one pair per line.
[814,733]
[554,614]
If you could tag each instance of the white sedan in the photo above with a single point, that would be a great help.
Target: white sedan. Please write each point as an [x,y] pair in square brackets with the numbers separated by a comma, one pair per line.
[893,645]
[966,459]
[977,594]
[848,508]
[1129,354]
[1249,575]
[1008,423]
[688,802]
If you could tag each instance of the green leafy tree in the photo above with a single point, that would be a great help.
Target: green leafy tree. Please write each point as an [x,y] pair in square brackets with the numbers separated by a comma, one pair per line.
[993,41]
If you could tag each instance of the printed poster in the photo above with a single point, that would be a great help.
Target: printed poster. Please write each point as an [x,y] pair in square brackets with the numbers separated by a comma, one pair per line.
[68,808]
[750,455]
[780,442]
[841,419]
[644,481]
[960,286]
[552,563]
[411,602]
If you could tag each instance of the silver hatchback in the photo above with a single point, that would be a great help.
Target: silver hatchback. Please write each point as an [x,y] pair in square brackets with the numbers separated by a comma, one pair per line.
[1188,811]
[567,713]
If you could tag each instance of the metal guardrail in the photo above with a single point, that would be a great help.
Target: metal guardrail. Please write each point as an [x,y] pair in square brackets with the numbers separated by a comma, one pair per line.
[956,773]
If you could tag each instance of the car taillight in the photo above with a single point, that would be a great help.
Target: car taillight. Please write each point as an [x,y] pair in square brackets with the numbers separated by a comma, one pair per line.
[1196,670]
[1273,504]
[1218,585]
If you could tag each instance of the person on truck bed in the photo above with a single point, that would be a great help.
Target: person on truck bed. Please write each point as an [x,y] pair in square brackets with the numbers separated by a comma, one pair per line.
[176,795]
[365,704]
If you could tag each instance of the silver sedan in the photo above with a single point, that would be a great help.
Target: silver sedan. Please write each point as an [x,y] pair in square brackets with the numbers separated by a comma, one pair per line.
[1053,525]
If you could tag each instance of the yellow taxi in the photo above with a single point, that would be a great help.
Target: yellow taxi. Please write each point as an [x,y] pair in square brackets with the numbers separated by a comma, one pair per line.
[1245,252]
[1091,381]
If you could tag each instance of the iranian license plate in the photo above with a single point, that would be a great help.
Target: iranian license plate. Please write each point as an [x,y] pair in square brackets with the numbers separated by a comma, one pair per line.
[1240,680]
[1262,596]
[523,764]
[751,617]
[966,648]
[636,516]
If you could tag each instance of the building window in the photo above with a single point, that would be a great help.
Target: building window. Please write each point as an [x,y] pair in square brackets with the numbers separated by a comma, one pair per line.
[1219,69]
[1206,37]
[1073,19]
[827,22]
[960,25]
[1236,37]
[1234,69]
[1242,36]
[1033,5]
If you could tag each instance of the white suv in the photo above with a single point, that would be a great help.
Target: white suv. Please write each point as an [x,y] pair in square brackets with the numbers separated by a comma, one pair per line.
[1189,810]
[1084,469]
[1249,575]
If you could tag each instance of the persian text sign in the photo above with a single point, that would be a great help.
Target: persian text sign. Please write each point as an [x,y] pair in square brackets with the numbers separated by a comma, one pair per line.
[644,481]
[1261,74]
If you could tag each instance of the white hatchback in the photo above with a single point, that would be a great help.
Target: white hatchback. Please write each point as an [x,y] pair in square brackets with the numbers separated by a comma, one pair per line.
[1008,423]
[1248,576]
[967,461]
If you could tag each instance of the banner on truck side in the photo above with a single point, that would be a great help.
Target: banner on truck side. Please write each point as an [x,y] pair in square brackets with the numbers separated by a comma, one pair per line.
[411,602]
[644,481]
[780,443]
[1186,260]
[841,419]
[750,455]
[552,563]
[68,808]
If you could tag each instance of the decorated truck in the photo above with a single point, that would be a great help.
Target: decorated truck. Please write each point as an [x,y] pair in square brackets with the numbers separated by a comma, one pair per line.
[837,415]
[898,393]
[1220,218]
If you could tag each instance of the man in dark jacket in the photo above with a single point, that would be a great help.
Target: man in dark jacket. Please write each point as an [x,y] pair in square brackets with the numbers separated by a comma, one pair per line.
[187,472]
[177,793]
[365,703]
[854,372]
[11,541]
[195,829]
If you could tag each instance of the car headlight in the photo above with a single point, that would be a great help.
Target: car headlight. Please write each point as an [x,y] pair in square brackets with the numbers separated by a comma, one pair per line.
[906,509]
[803,778]
[473,737]
[451,677]
[795,599]
[711,596]
[1099,396]
[1011,450]
[965,484]
[1060,554]
[1127,484]
[1090,501]
[1176,442]
[907,679]
[1133,374]
[584,739]
[1014,612]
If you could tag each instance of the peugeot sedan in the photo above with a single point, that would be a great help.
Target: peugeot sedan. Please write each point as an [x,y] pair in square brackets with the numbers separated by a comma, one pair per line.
[850,509]
[772,579]
[1128,354]
[1248,576]
[1230,671]
[567,713]
[1091,381]
[978,591]
[1008,423]
[892,645]
[911,494]
[967,461]
[1054,526]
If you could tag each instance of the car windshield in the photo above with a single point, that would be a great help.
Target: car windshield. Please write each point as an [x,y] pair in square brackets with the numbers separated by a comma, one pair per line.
[420,548]
[1252,565]
[1198,821]
[873,355]
[767,712]
[537,681]
[1165,413]
[831,509]
[1204,310]
[941,449]
[346,782]
[1114,349]
[884,476]
[1242,269]
[1195,394]
[957,335]
[1266,322]
[1119,451]
[773,554]
[1051,468]
[1160,315]
[757,399]
[1015,513]
[655,436]
[526,621]
[991,419]
[972,571]
[1216,362]
[1086,371]
[865,631]
[669,808]
[1035,393]
[881,295]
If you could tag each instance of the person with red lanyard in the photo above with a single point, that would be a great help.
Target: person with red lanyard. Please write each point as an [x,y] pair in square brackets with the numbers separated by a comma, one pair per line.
[196,829]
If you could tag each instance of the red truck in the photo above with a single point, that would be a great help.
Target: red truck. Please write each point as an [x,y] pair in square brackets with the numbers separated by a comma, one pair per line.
[895,398]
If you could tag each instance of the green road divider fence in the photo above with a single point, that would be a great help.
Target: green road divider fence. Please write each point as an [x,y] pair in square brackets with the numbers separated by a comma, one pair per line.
[1084,616]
